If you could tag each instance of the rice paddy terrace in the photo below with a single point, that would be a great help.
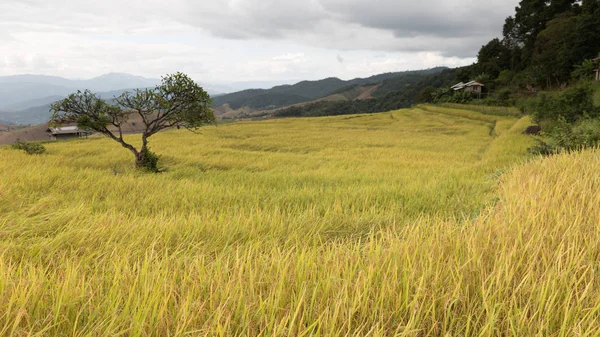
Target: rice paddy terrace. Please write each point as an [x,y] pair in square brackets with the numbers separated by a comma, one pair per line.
[432,221]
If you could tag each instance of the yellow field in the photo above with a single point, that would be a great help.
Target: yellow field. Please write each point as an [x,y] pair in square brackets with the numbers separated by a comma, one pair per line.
[412,223]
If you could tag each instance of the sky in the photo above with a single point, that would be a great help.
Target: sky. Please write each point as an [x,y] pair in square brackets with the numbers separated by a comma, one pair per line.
[248,41]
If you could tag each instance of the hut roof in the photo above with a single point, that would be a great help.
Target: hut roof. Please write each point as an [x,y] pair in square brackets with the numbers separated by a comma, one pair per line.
[474,84]
[66,130]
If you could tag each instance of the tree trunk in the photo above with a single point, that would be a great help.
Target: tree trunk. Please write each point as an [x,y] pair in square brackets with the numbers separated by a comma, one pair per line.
[139,157]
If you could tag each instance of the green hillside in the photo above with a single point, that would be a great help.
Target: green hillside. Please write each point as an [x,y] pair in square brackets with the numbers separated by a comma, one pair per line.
[305,91]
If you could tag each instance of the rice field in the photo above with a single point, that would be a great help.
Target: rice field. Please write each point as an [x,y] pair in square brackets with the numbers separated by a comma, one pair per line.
[486,109]
[422,222]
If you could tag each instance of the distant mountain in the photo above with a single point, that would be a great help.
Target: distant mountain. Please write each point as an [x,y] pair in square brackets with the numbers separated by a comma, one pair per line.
[26,99]
[40,113]
[305,91]
[22,92]
[32,103]
[25,91]
[33,115]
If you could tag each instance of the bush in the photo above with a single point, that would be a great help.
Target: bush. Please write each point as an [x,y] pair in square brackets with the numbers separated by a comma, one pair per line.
[565,136]
[572,104]
[543,148]
[569,120]
[459,97]
[584,71]
[505,78]
[148,161]
[29,147]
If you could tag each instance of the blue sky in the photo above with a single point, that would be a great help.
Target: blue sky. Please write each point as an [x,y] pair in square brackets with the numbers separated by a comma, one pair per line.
[227,41]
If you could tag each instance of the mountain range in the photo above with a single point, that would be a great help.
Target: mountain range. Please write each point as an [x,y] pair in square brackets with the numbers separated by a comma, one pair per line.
[16,91]
[26,99]
[305,91]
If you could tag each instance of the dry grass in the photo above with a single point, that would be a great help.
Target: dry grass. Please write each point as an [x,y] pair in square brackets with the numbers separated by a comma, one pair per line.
[486,109]
[378,225]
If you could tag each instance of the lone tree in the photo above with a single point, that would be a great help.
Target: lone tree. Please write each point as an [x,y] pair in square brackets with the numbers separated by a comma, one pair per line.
[177,101]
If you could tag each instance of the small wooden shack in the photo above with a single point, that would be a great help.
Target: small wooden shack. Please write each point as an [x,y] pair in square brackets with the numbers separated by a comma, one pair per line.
[67,132]
[472,87]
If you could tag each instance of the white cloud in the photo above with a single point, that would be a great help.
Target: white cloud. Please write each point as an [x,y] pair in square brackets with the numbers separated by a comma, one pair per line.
[243,40]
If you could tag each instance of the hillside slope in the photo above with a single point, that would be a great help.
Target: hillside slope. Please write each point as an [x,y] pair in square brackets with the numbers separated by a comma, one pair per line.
[305,91]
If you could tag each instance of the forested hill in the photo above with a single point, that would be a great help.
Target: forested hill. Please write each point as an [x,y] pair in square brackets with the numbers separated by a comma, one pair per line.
[308,90]
[392,94]
[545,45]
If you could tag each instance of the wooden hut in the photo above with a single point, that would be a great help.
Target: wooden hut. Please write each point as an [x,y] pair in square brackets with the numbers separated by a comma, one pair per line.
[66,133]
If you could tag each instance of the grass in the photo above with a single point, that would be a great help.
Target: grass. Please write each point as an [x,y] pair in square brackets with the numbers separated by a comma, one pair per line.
[596,87]
[486,109]
[395,224]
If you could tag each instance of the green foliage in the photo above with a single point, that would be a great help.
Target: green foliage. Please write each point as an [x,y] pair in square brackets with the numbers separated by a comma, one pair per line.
[148,160]
[541,44]
[552,49]
[565,136]
[483,78]
[30,148]
[397,84]
[584,71]
[569,119]
[571,104]
[505,77]
[460,97]
[426,95]
[493,58]
[395,98]
[438,94]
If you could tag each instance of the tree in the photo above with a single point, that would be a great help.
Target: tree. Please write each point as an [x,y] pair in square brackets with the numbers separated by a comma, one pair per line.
[586,42]
[552,49]
[493,58]
[177,101]
[530,19]
[426,95]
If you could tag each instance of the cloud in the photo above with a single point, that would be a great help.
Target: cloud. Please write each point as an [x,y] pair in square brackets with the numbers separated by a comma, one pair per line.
[243,40]
[402,25]
[454,27]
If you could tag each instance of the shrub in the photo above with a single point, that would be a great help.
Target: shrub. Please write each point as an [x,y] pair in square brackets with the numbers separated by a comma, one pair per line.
[584,71]
[565,136]
[148,160]
[571,104]
[505,78]
[460,97]
[543,148]
[29,147]
[569,119]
